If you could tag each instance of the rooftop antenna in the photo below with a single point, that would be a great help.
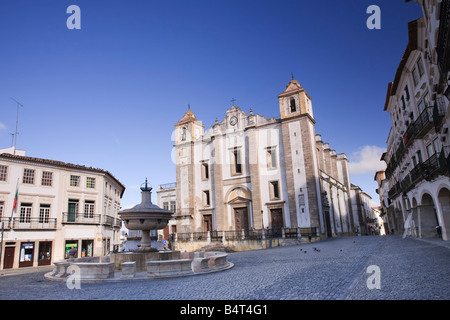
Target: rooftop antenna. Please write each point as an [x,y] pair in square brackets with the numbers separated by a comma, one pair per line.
[17,123]
[12,139]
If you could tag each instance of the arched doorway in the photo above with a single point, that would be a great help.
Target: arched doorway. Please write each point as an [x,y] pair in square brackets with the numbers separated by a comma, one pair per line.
[239,202]
[427,217]
[444,205]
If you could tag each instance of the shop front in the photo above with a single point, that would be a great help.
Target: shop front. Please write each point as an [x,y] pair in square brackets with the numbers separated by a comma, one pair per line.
[45,253]
[68,246]
[26,254]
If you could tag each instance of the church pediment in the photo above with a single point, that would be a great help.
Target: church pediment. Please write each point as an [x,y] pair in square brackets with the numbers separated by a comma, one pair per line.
[238,195]
[238,200]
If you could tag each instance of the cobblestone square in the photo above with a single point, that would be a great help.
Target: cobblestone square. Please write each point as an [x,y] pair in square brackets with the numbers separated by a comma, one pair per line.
[335,269]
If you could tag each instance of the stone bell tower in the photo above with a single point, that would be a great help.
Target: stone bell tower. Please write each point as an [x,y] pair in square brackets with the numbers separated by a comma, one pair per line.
[295,101]
[187,131]
[302,173]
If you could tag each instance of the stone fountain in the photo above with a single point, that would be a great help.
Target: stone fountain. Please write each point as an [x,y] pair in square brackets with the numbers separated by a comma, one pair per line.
[144,262]
[145,217]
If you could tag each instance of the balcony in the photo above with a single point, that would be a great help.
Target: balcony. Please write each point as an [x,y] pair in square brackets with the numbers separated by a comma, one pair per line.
[24,223]
[394,190]
[430,117]
[400,152]
[406,183]
[80,218]
[428,170]
[423,123]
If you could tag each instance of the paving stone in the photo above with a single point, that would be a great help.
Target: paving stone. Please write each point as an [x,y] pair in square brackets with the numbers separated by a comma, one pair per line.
[337,269]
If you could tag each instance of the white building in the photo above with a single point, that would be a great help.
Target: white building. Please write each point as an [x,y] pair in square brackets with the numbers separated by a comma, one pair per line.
[248,172]
[418,146]
[59,205]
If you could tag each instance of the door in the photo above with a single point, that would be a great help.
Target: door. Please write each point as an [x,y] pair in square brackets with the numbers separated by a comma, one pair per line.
[72,210]
[241,218]
[277,221]
[9,257]
[45,253]
[207,223]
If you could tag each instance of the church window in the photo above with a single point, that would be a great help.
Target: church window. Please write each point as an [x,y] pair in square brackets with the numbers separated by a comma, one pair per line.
[236,167]
[271,158]
[183,134]
[292,105]
[205,171]
[274,190]
[206,199]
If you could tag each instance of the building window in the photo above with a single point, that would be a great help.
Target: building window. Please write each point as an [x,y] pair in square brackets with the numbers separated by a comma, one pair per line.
[436,145]
[421,106]
[3,173]
[292,105]
[420,67]
[28,176]
[206,199]
[237,165]
[301,199]
[173,206]
[25,213]
[271,156]
[44,213]
[415,77]
[430,150]
[274,190]
[47,178]
[403,103]
[426,99]
[165,205]
[74,181]
[90,182]
[205,171]
[407,93]
[414,161]
[419,156]
[89,208]
[183,134]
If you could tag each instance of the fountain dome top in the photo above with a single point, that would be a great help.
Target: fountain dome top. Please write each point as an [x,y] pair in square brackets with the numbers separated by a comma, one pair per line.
[146,205]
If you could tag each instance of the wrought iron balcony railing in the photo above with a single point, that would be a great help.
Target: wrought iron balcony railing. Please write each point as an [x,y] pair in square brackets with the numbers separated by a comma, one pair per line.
[80,218]
[28,223]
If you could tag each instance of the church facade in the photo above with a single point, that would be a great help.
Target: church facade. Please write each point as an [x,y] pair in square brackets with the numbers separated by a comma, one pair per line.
[248,172]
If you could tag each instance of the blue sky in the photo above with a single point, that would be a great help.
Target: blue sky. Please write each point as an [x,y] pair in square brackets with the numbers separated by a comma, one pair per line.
[108,95]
